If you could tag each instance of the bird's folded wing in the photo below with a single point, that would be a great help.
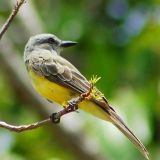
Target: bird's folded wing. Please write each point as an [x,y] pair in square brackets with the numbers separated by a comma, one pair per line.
[59,70]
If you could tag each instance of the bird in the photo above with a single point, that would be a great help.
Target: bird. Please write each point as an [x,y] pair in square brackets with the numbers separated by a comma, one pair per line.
[58,81]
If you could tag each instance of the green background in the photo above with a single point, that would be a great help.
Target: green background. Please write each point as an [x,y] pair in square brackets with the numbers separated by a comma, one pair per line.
[118,41]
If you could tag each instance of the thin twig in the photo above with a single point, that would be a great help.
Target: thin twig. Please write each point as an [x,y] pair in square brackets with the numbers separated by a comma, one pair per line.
[22,128]
[11,17]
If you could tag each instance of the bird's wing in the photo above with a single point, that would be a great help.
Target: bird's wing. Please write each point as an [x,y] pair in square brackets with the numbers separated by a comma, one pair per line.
[59,70]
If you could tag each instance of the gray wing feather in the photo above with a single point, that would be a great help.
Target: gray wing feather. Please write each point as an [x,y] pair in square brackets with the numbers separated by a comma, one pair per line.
[60,73]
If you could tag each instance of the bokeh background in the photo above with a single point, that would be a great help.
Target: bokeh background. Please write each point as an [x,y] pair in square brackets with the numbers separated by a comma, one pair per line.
[118,41]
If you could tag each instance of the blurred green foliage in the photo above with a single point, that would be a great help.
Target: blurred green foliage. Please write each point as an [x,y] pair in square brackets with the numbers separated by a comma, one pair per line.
[118,41]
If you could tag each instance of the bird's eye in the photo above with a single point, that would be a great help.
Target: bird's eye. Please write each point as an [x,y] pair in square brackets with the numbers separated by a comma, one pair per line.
[51,40]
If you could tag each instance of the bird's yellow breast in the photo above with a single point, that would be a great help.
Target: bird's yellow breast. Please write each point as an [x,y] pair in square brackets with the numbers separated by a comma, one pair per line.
[51,90]
[61,95]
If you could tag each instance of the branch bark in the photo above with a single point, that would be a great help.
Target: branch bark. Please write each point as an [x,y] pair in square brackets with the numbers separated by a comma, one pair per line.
[11,17]
[22,128]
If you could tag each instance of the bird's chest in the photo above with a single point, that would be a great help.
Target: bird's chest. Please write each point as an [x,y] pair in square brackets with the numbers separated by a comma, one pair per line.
[50,90]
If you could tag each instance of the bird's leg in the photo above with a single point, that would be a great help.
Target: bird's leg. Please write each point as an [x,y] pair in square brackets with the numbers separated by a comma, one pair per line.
[71,106]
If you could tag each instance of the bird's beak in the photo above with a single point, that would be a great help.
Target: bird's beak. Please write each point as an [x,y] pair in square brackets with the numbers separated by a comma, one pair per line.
[68,43]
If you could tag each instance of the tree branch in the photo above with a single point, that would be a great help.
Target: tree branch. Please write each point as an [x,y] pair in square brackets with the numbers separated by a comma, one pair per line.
[11,17]
[22,128]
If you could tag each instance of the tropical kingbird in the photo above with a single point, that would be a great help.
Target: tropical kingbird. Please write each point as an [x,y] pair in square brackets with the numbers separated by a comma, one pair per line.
[59,81]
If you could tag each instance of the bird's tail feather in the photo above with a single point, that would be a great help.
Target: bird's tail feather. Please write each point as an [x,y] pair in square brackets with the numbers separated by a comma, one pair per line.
[118,122]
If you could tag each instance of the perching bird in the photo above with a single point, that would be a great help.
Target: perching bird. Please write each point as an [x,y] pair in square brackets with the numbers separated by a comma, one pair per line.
[56,79]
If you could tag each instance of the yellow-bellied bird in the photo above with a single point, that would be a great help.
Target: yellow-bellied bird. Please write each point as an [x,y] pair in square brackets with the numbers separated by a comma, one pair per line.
[58,80]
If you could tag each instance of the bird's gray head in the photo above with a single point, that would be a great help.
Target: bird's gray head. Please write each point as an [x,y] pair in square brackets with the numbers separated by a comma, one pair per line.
[48,42]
